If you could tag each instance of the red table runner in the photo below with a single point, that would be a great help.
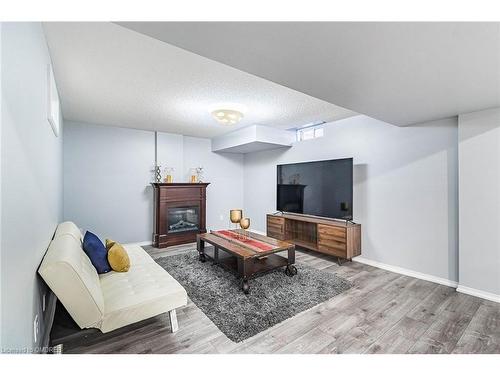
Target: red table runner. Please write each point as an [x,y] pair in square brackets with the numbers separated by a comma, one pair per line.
[240,239]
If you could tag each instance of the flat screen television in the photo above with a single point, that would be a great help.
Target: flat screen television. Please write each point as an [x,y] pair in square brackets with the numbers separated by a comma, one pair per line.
[318,188]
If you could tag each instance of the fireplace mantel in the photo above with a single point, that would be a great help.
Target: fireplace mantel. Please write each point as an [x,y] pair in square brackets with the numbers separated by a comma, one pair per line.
[179,212]
[186,184]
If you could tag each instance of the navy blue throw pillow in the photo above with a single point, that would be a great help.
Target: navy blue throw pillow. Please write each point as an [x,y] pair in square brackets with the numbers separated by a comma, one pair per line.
[96,251]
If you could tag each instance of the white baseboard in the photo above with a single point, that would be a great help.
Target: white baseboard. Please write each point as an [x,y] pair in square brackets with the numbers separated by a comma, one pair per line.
[478,293]
[423,276]
[407,272]
[258,231]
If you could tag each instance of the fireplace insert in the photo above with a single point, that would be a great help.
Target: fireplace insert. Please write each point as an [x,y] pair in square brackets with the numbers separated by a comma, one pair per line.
[183,219]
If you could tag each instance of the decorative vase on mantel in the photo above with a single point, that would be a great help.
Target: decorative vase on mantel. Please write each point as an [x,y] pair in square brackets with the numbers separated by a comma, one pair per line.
[168,179]
[157,171]
[196,175]
[199,174]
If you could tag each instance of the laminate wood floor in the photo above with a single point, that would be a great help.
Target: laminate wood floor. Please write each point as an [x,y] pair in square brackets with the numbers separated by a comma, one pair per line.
[383,312]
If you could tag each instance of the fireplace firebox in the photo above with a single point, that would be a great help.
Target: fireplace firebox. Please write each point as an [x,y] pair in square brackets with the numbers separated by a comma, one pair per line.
[183,219]
[179,213]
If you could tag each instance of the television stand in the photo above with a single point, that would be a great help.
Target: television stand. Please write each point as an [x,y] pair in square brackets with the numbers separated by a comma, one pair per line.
[327,236]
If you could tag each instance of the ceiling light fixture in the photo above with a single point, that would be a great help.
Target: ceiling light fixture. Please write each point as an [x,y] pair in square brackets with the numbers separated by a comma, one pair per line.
[227,116]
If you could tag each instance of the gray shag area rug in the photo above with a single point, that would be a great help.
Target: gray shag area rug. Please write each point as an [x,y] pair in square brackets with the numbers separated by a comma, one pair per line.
[274,297]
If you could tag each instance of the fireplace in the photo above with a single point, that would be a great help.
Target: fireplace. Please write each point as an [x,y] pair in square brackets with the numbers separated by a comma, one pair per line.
[179,213]
[183,219]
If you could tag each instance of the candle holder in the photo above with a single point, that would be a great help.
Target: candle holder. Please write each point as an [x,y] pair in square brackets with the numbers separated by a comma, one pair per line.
[235,216]
[168,175]
[157,171]
[199,174]
[245,224]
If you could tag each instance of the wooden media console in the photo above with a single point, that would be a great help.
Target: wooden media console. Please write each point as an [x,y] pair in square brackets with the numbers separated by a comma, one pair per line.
[326,236]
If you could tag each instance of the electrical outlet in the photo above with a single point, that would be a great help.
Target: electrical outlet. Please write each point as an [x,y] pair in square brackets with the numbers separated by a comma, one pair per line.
[43,302]
[221,217]
[36,328]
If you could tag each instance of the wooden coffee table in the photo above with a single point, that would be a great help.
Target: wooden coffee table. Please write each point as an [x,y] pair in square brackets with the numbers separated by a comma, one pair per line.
[247,253]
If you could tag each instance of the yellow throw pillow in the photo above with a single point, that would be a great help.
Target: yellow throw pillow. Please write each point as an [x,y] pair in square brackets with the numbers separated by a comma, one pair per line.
[109,243]
[118,258]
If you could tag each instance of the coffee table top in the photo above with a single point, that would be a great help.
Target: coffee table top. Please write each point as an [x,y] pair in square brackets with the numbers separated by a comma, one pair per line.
[245,244]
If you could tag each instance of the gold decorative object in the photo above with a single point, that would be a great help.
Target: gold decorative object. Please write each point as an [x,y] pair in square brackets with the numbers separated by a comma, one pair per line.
[235,216]
[245,224]
[168,175]
[193,179]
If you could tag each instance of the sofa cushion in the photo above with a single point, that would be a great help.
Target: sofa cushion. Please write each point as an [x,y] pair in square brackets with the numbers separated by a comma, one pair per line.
[71,276]
[118,258]
[137,255]
[145,291]
[70,228]
[109,243]
[96,251]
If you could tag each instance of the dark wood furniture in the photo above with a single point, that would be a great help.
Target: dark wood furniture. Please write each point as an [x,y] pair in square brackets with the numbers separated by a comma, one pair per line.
[178,213]
[246,262]
[327,236]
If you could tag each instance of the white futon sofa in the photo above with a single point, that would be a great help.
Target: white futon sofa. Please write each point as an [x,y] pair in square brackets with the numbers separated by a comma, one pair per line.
[114,299]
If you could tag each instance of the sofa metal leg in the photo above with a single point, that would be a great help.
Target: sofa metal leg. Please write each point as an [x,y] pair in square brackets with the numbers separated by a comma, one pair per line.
[174,326]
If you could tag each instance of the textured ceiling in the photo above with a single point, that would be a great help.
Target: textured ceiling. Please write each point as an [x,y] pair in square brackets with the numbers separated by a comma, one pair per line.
[107,74]
[401,73]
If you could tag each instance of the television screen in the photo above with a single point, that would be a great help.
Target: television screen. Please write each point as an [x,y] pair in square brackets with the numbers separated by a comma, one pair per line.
[319,188]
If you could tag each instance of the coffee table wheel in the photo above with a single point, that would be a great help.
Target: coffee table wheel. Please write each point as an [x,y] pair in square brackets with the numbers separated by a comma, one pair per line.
[202,258]
[245,286]
[290,270]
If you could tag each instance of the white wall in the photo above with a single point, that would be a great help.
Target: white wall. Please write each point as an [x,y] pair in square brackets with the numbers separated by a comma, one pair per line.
[479,162]
[224,171]
[1,104]
[170,154]
[108,170]
[31,177]
[405,188]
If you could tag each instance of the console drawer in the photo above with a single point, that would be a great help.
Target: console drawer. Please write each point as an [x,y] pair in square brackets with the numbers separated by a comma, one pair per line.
[342,253]
[276,227]
[331,237]
[331,232]
[332,244]
[332,240]
[275,220]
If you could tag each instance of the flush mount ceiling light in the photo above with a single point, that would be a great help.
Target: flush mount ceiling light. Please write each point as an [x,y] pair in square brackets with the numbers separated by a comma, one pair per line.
[227,116]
